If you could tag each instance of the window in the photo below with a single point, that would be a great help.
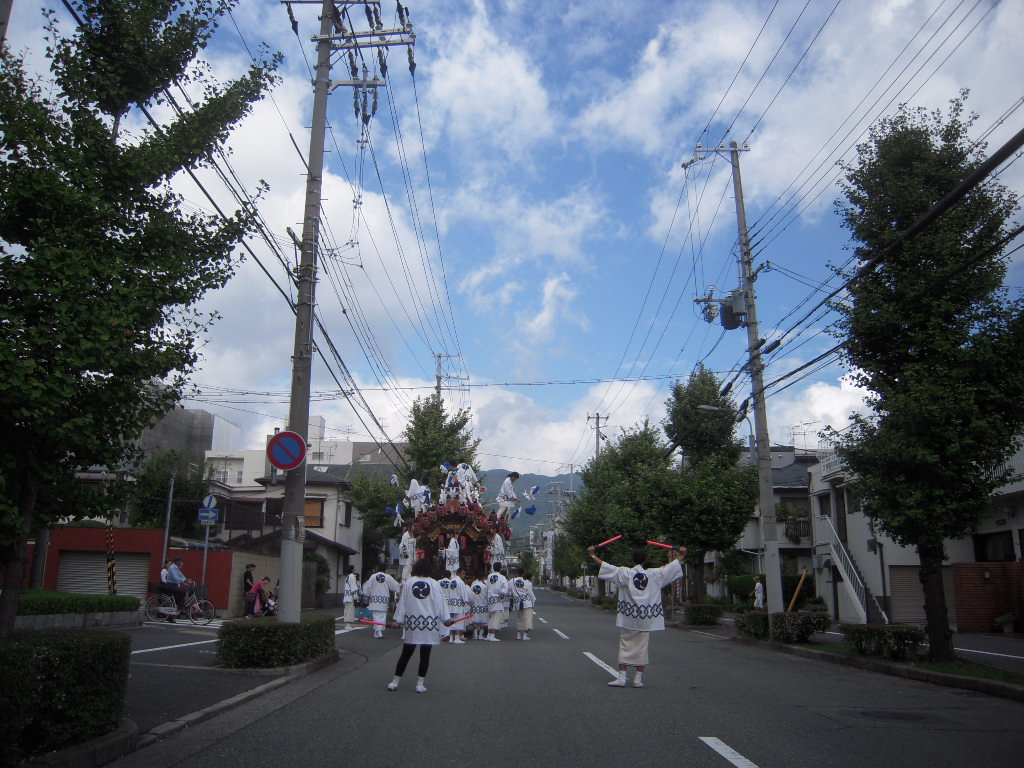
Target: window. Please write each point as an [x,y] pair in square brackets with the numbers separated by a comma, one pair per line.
[221,476]
[238,478]
[347,521]
[314,513]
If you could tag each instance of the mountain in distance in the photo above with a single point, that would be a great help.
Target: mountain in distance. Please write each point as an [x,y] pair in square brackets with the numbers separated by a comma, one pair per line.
[545,500]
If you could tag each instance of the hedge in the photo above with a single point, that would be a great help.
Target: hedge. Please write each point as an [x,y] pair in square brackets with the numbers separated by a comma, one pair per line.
[38,602]
[61,687]
[742,585]
[705,615]
[753,624]
[891,641]
[799,626]
[263,643]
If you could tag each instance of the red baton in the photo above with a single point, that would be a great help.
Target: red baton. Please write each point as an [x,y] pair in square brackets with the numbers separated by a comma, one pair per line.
[613,538]
[377,623]
[463,618]
[659,544]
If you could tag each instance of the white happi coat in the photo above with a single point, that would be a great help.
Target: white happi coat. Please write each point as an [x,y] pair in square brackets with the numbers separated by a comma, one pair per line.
[422,611]
[497,592]
[454,596]
[522,593]
[451,555]
[378,590]
[497,549]
[640,605]
[406,553]
[478,598]
[351,591]
[507,498]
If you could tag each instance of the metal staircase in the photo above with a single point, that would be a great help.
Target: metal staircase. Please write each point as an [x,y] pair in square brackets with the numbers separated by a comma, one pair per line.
[869,610]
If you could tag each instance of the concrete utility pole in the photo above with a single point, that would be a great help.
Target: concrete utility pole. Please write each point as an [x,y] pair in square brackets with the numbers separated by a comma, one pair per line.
[293,531]
[766,494]
[598,435]
[442,375]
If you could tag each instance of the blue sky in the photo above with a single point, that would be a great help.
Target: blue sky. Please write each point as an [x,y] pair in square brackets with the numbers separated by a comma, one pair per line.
[559,245]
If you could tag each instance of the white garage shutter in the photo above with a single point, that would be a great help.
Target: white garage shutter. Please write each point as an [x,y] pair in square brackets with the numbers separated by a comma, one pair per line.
[908,595]
[85,573]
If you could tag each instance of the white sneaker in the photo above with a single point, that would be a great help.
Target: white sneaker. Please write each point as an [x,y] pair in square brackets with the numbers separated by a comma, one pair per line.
[421,688]
[525,636]
[459,641]
[493,639]
[392,686]
[519,635]
[619,682]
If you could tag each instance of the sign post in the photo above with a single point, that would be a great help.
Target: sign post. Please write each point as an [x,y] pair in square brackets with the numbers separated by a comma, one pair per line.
[207,517]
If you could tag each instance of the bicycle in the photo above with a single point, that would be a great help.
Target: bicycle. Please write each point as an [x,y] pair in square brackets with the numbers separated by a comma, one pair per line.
[161,606]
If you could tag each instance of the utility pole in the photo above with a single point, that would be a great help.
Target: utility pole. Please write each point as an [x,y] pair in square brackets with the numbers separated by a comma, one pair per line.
[598,435]
[5,17]
[293,532]
[442,375]
[747,307]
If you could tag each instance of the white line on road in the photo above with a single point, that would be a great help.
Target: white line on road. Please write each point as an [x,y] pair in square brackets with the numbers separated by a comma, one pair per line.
[172,647]
[727,752]
[343,630]
[959,650]
[609,669]
[543,620]
[561,634]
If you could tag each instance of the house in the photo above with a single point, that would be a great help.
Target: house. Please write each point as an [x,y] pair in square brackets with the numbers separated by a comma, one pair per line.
[865,576]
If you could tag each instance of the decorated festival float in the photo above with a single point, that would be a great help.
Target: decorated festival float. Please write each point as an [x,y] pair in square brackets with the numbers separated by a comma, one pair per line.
[459,515]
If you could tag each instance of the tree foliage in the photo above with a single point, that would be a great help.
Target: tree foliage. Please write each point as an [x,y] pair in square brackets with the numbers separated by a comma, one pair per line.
[628,489]
[148,492]
[434,437]
[715,494]
[100,266]
[372,495]
[932,335]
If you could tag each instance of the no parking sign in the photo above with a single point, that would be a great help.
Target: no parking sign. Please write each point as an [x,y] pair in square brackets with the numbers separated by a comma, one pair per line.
[286,450]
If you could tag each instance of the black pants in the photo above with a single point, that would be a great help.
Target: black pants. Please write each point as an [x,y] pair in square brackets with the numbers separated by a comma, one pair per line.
[403,660]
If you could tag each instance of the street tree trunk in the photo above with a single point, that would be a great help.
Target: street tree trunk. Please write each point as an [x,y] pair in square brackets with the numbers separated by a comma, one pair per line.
[695,570]
[12,557]
[940,636]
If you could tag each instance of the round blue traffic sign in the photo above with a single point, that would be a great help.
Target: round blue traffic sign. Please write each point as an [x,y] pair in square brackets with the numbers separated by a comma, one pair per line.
[286,450]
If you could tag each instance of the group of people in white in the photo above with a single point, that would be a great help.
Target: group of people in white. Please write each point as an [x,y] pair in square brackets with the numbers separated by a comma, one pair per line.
[430,611]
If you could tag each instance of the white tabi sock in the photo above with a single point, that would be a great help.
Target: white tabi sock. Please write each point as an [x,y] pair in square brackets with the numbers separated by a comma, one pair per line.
[420,687]
[393,685]
[638,680]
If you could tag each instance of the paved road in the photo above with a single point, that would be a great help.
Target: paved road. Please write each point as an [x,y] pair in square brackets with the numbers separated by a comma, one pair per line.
[708,703]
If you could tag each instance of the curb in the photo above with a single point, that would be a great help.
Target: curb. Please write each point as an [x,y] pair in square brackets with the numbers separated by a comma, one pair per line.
[979,685]
[126,738]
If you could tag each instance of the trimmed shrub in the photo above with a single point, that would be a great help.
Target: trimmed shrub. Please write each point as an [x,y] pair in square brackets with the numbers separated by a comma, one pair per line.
[704,615]
[753,624]
[61,687]
[741,586]
[799,626]
[263,643]
[38,602]
[890,641]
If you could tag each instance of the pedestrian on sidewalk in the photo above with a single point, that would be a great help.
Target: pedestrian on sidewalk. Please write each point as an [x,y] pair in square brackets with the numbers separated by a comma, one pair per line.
[350,593]
[640,610]
[423,613]
[248,578]
[758,594]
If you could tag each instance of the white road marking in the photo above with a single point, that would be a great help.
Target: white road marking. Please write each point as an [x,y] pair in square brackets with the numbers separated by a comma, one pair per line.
[707,634]
[561,634]
[172,647]
[609,669]
[543,620]
[727,752]
[343,630]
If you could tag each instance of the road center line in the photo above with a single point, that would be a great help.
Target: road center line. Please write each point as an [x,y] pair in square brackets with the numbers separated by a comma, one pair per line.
[727,752]
[561,634]
[609,669]
[543,620]
[172,647]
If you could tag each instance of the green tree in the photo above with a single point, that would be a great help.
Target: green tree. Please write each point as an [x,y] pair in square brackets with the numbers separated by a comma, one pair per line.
[716,495]
[372,495]
[434,437]
[100,266]
[568,558]
[628,489]
[931,334]
[147,492]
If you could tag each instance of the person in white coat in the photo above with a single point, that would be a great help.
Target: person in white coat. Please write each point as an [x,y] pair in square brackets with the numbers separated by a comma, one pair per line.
[640,610]
[507,498]
[523,600]
[478,604]
[451,555]
[349,594]
[406,552]
[423,613]
[378,590]
[497,597]
[496,549]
